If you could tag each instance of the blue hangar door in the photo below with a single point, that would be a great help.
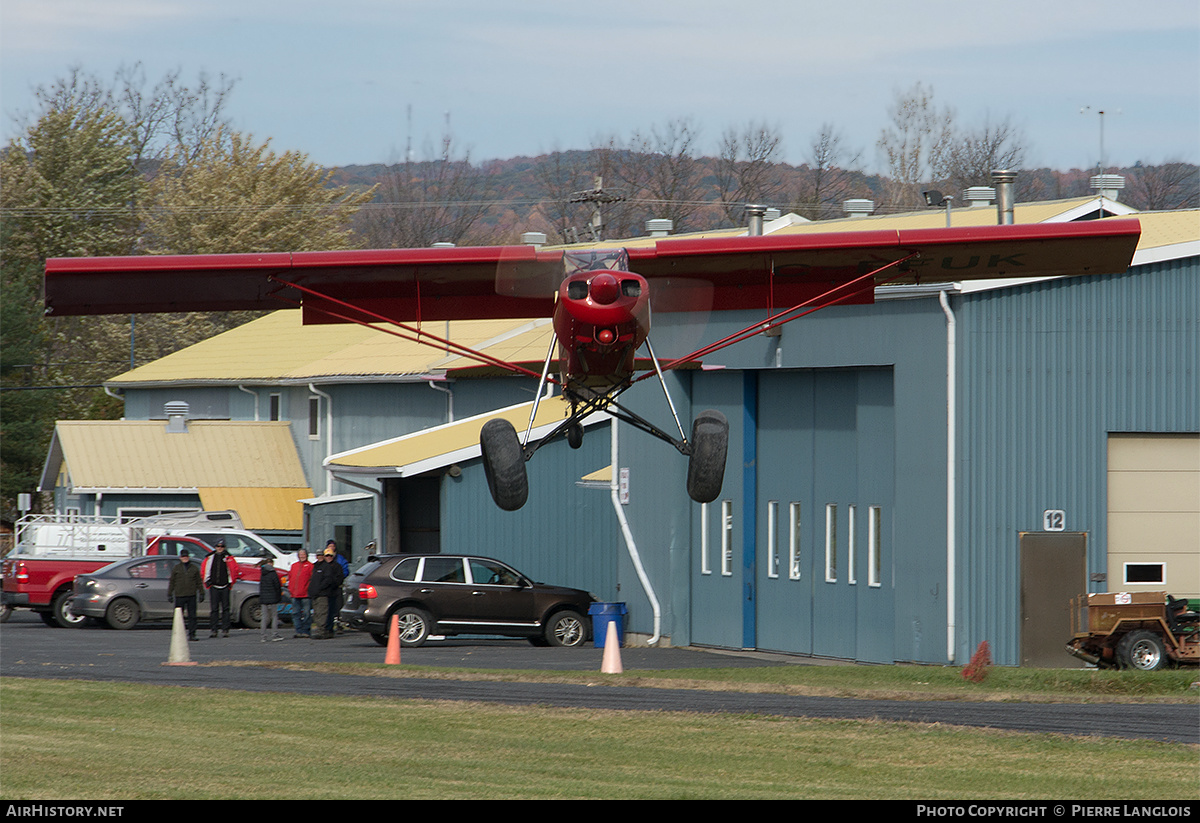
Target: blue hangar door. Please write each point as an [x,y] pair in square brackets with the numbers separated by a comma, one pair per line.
[796,554]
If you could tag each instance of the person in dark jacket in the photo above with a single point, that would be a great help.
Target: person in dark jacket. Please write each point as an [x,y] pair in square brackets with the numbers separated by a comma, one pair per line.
[221,574]
[323,589]
[335,607]
[184,587]
[270,595]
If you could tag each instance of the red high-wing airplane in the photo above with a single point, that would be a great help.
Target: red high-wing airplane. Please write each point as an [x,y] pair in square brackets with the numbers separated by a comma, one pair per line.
[600,301]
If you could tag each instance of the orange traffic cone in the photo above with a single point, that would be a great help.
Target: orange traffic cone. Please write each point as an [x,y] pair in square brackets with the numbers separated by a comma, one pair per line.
[611,662]
[179,643]
[393,646]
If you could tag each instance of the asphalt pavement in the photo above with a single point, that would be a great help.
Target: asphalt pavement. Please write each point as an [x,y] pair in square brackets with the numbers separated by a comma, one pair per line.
[30,649]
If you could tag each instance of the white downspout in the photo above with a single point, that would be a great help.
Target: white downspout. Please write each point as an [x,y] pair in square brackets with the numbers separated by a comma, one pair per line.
[433,384]
[253,394]
[951,477]
[328,436]
[614,491]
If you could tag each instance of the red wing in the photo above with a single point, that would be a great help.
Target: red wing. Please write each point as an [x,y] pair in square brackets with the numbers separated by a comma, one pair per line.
[449,283]
[805,265]
[462,283]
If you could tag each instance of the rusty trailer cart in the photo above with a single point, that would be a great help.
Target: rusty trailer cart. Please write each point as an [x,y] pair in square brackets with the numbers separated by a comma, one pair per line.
[1134,630]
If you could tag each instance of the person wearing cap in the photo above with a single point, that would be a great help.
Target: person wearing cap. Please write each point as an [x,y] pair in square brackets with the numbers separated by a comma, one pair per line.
[184,587]
[323,589]
[221,572]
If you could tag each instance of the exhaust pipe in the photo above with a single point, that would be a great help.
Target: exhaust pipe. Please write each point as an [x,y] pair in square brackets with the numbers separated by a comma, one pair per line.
[1003,180]
[756,214]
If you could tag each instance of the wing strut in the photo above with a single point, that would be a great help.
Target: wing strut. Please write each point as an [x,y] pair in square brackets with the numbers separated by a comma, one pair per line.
[411,333]
[832,297]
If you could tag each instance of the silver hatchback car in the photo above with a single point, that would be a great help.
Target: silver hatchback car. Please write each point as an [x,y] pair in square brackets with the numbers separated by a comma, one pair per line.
[127,592]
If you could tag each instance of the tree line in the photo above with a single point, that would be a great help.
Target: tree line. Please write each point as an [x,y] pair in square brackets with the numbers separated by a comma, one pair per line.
[130,165]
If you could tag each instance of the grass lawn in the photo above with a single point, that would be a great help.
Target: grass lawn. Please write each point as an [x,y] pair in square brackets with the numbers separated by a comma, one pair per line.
[115,741]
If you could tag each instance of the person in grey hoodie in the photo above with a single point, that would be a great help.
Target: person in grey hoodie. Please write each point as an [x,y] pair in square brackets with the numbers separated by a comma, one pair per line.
[270,595]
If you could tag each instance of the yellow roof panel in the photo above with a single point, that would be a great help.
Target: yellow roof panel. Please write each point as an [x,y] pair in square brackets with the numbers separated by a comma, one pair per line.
[279,348]
[436,447]
[141,454]
[1168,228]
[260,508]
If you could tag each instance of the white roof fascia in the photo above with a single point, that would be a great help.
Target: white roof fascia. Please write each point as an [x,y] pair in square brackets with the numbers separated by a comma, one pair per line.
[336,498]
[440,460]
[1091,206]
[1159,254]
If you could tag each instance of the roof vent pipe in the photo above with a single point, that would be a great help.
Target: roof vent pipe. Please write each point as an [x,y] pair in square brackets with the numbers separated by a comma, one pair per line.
[1004,178]
[755,212]
[177,414]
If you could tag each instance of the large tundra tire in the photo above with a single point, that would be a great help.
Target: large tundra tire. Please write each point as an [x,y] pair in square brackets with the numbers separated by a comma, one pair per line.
[706,465]
[504,464]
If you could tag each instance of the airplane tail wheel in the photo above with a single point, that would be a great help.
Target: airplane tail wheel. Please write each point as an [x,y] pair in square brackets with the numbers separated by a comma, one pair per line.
[575,435]
[706,466]
[504,464]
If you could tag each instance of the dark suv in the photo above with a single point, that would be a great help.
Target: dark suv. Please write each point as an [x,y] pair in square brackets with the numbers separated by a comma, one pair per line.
[447,594]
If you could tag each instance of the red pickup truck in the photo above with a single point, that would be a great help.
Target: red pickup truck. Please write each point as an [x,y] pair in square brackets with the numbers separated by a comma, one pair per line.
[45,584]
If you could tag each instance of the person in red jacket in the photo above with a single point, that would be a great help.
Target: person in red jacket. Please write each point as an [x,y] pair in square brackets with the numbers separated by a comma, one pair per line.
[298,576]
[220,573]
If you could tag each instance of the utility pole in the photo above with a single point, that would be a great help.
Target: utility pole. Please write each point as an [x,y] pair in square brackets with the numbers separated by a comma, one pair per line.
[596,196]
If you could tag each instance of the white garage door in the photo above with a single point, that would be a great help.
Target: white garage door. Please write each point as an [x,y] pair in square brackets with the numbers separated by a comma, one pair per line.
[1154,513]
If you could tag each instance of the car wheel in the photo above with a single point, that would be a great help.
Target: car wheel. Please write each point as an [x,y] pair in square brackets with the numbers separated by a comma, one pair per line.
[251,613]
[123,614]
[63,616]
[706,464]
[566,629]
[414,626]
[1142,650]
[504,464]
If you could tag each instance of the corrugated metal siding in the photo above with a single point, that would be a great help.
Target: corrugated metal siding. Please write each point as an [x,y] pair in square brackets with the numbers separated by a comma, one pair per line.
[564,535]
[1046,371]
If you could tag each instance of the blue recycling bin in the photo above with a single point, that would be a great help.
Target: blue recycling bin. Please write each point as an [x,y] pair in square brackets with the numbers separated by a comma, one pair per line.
[603,614]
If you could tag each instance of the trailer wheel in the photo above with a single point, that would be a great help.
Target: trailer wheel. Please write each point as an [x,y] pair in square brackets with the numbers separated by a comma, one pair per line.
[1142,650]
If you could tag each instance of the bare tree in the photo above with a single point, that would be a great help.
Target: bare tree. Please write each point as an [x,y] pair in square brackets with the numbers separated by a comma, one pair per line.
[972,155]
[171,118]
[164,119]
[747,168]
[438,200]
[914,144]
[559,177]
[1171,185]
[830,178]
[662,173]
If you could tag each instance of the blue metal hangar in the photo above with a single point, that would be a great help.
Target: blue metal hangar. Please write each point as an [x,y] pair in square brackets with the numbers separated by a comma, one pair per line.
[949,465]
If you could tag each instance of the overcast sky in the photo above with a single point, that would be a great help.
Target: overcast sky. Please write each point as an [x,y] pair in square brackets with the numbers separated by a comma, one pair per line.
[337,80]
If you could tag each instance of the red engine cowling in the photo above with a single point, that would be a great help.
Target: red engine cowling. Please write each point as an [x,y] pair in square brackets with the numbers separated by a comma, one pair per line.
[601,318]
